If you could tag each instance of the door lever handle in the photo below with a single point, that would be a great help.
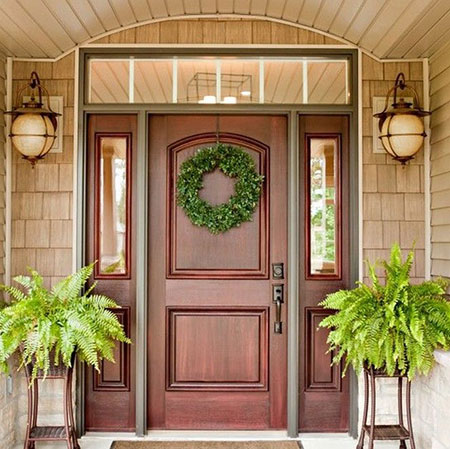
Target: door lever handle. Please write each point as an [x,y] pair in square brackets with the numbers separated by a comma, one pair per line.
[278,300]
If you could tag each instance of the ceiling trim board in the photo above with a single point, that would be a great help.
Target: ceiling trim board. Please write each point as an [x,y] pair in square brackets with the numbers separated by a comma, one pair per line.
[344,43]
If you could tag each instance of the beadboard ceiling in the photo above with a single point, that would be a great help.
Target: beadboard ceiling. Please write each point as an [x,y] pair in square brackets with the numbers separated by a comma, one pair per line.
[386,28]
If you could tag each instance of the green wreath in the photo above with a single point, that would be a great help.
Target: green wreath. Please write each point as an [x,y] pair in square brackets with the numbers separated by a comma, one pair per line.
[235,163]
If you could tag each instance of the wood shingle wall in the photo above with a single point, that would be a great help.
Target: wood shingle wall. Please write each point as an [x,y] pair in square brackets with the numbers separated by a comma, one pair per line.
[42,217]
[8,402]
[393,195]
[42,197]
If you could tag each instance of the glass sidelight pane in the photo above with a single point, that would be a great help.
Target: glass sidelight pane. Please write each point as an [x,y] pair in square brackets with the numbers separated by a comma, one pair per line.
[113,205]
[324,208]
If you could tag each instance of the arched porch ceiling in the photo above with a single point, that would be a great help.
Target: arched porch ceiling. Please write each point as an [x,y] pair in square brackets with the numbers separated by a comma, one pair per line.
[385,28]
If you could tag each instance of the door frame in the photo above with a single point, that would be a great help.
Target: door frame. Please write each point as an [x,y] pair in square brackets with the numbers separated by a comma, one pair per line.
[292,112]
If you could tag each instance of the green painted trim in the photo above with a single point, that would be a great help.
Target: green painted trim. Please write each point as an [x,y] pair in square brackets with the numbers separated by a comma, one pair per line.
[293,276]
[354,224]
[293,112]
[141,275]
[80,235]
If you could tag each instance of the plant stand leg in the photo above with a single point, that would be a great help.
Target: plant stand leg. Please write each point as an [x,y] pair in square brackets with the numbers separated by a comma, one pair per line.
[366,407]
[27,443]
[33,396]
[400,408]
[373,405]
[408,415]
[70,411]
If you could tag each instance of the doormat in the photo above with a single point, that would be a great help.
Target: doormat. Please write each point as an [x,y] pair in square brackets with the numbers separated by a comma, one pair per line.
[206,445]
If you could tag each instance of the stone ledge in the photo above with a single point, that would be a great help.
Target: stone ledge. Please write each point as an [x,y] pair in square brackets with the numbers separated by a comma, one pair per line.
[442,357]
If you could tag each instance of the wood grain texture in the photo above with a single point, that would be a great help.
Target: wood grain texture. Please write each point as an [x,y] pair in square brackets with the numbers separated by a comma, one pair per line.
[110,399]
[214,362]
[324,397]
[217,349]
[239,253]
[320,375]
[115,376]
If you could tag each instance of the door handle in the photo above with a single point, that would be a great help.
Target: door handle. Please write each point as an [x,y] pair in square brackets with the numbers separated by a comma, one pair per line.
[278,300]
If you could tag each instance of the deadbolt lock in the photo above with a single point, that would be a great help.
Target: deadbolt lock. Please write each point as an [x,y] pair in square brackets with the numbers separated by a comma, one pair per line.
[278,270]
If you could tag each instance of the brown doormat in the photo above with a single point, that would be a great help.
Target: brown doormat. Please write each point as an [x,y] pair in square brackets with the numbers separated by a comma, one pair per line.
[206,445]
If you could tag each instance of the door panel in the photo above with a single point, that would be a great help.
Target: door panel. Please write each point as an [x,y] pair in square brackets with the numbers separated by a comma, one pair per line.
[199,361]
[214,360]
[227,256]
[324,267]
[110,239]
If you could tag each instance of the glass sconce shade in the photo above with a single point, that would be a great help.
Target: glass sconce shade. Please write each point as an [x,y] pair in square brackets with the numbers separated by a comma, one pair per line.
[33,134]
[401,125]
[33,126]
[402,135]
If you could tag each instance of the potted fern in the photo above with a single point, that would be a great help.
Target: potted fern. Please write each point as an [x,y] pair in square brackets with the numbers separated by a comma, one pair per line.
[49,327]
[394,327]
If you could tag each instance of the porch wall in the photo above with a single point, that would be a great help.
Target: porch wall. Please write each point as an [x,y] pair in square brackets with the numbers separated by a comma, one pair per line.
[8,402]
[433,393]
[42,217]
[440,162]
[393,199]
[393,202]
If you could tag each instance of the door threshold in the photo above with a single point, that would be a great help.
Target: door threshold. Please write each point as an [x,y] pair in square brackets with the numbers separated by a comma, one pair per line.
[193,435]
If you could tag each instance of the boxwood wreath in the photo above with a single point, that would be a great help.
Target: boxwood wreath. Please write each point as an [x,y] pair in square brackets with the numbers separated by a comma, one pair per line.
[235,163]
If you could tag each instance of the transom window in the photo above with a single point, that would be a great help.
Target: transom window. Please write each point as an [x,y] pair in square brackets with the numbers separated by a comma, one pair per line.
[219,80]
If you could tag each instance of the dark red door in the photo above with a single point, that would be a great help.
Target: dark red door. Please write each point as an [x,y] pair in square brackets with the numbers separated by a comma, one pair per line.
[110,239]
[324,267]
[214,361]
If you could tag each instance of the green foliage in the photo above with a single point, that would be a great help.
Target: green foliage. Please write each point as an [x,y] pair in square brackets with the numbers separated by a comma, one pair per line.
[395,326]
[54,324]
[235,163]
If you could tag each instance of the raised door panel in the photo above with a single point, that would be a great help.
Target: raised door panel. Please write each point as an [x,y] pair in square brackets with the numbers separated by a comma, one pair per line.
[217,349]
[320,374]
[196,253]
[115,376]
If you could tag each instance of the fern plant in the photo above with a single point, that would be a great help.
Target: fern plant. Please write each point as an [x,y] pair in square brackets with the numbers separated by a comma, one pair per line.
[395,326]
[49,326]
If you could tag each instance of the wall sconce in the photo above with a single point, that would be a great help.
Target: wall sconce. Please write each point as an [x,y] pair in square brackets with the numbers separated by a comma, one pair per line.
[33,127]
[401,125]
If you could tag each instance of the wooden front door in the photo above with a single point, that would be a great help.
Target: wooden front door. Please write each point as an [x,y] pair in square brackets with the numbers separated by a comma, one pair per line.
[214,360]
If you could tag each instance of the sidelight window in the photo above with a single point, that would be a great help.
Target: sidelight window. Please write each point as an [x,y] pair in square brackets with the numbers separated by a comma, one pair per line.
[219,80]
[112,205]
[323,206]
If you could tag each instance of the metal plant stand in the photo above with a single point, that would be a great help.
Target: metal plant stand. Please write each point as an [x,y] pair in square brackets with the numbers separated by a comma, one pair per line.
[66,432]
[393,432]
